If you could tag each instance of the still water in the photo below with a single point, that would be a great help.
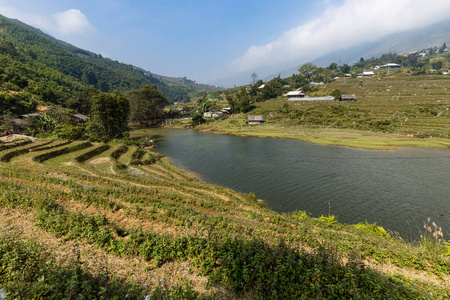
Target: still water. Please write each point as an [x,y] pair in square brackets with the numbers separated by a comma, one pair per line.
[397,189]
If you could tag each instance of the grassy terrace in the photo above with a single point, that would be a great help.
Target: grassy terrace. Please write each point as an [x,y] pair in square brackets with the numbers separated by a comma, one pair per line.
[93,220]
[390,112]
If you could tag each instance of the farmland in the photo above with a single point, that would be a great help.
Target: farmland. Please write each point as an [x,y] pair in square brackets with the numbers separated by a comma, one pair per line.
[84,219]
[390,112]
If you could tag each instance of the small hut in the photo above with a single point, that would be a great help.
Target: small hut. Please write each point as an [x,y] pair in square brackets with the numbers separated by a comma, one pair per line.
[348,97]
[255,119]
[22,121]
[295,94]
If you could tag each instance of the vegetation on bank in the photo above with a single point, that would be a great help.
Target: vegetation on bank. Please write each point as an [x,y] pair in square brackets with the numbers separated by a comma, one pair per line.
[150,230]
[400,110]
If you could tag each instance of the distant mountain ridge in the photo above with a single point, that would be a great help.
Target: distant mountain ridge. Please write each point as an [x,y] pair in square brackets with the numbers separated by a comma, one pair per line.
[401,42]
[88,68]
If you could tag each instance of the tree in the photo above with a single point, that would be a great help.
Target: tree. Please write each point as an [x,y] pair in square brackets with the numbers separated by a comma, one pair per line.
[333,66]
[307,70]
[233,103]
[203,105]
[197,119]
[345,68]
[146,105]
[82,101]
[254,76]
[437,65]
[336,94]
[109,116]
[244,100]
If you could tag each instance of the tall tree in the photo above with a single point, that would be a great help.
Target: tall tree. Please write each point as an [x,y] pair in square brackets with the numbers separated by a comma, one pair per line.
[307,69]
[203,105]
[254,76]
[146,105]
[233,103]
[109,116]
[244,100]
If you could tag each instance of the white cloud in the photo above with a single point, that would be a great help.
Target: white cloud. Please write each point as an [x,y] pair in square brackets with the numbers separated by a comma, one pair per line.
[354,22]
[64,24]
[72,22]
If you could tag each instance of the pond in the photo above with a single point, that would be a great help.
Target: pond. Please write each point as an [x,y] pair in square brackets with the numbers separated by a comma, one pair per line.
[398,190]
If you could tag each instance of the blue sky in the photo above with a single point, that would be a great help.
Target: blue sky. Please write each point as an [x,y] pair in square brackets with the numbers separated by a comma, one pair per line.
[208,39]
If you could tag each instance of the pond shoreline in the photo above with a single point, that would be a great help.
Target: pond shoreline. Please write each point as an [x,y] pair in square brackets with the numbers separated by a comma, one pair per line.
[327,136]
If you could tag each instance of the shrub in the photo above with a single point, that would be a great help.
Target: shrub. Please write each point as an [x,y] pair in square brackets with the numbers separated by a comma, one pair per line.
[372,229]
[328,220]
[70,132]
[197,119]
[336,94]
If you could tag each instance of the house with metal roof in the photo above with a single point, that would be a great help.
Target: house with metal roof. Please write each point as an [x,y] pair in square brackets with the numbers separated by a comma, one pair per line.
[348,97]
[295,94]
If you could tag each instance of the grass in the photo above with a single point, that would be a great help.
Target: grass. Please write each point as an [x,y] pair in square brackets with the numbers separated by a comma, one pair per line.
[390,112]
[149,229]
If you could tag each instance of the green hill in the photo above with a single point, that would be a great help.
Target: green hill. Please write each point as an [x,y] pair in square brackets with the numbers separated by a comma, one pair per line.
[52,70]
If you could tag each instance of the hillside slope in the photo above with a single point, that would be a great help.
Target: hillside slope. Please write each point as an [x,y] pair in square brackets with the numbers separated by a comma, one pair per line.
[133,224]
[69,68]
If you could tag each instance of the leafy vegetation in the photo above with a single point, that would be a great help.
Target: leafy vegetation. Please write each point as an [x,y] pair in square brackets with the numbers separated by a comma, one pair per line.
[147,217]
[38,69]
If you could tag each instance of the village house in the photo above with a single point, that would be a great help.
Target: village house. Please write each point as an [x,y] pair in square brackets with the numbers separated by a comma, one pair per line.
[368,73]
[22,121]
[294,94]
[391,66]
[347,97]
[213,114]
[255,119]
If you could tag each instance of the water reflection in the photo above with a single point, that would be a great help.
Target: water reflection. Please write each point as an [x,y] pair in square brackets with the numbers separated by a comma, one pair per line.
[397,189]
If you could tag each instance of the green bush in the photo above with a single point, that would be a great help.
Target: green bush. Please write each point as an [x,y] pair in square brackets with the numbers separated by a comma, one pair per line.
[197,119]
[70,132]
[372,229]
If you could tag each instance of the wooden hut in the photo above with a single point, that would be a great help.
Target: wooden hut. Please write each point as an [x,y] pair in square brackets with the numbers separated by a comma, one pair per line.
[348,97]
[255,119]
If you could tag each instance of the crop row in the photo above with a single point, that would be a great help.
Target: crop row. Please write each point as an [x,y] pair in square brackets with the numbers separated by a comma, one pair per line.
[9,155]
[90,154]
[46,156]
[21,143]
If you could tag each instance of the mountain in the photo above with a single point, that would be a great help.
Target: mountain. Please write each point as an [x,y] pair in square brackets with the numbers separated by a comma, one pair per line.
[43,62]
[401,42]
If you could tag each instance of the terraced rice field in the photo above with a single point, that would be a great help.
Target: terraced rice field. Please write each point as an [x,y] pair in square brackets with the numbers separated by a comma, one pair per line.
[129,212]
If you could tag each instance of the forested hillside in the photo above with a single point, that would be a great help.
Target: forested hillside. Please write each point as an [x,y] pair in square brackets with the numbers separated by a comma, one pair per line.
[49,70]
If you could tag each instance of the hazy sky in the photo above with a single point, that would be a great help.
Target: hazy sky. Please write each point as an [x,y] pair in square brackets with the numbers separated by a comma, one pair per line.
[208,39]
